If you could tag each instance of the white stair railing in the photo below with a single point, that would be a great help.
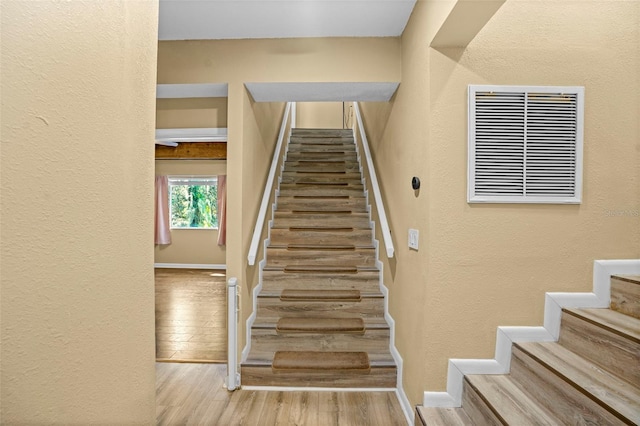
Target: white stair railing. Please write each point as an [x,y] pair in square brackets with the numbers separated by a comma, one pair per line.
[268,188]
[373,181]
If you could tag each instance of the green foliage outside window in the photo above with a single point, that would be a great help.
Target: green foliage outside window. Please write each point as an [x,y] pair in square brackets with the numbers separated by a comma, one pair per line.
[194,206]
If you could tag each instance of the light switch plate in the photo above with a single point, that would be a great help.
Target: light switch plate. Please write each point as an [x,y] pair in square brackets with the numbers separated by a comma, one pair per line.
[413,239]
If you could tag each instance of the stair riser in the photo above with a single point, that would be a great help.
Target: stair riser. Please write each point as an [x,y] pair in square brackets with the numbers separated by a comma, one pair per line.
[324,221]
[356,237]
[313,148]
[363,281]
[625,297]
[319,167]
[379,377]
[556,394]
[373,340]
[476,408]
[611,351]
[330,156]
[351,180]
[284,257]
[293,190]
[270,308]
[320,204]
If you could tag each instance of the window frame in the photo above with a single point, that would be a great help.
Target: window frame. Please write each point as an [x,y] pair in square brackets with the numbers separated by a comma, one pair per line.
[190,180]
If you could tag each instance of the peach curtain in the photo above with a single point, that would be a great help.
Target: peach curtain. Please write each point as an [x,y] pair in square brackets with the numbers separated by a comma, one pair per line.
[222,210]
[163,230]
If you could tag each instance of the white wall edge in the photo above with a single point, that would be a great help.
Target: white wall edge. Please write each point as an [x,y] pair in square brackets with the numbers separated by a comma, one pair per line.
[554,302]
[217,266]
[314,389]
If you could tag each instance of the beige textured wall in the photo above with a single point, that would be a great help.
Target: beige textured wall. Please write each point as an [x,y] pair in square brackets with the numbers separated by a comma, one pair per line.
[191,112]
[191,245]
[78,100]
[274,60]
[481,266]
[323,115]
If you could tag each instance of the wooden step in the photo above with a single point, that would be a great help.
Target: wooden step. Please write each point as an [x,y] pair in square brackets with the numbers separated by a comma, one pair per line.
[573,387]
[309,177]
[333,256]
[498,400]
[276,279]
[356,205]
[379,376]
[605,337]
[315,361]
[309,147]
[323,155]
[430,416]
[284,219]
[374,339]
[321,295]
[625,294]
[370,306]
[318,132]
[317,166]
[321,236]
[289,190]
[320,325]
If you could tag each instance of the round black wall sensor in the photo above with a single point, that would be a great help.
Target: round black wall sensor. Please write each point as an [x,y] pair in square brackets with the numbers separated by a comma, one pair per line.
[415,183]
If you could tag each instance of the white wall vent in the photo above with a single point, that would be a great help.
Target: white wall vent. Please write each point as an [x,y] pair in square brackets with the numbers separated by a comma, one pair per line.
[525,144]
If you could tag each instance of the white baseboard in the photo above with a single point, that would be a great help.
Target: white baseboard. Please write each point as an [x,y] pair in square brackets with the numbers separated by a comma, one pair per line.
[217,266]
[554,302]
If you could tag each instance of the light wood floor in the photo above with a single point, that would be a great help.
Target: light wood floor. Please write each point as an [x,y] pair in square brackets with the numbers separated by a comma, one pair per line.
[192,394]
[191,314]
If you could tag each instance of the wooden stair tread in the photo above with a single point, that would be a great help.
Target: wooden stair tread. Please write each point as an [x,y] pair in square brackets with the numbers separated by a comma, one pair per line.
[508,401]
[345,212]
[442,416]
[321,295]
[616,395]
[634,279]
[376,360]
[314,361]
[320,269]
[621,324]
[320,325]
[371,323]
[323,247]
[320,229]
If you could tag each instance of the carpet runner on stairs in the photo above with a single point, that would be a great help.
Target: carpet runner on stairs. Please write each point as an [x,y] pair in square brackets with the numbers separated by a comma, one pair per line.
[320,314]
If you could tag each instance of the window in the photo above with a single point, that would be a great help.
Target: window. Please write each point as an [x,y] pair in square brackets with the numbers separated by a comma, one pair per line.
[525,144]
[193,202]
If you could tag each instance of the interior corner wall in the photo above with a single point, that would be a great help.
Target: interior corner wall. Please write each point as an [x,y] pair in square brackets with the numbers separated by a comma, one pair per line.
[191,246]
[319,115]
[482,266]
[191,113]
[78,103]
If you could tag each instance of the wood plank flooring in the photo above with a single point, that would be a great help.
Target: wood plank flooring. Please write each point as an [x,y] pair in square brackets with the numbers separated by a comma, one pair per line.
[191,315]
[190,394]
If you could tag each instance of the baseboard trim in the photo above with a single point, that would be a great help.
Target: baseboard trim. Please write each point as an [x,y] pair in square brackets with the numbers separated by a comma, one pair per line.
[554,302]
[216,266]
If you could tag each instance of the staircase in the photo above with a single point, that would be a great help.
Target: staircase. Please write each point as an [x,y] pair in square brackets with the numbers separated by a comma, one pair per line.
[320,314]
[590,376]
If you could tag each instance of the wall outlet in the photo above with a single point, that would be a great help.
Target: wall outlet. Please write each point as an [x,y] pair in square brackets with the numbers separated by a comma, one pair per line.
[413,239]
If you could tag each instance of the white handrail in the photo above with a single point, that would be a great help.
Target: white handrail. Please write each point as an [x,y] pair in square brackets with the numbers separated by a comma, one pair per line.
[257,231]
[232,380]
[384,224]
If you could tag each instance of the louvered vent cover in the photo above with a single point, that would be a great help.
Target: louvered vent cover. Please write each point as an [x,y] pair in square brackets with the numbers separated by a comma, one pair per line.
[525,144]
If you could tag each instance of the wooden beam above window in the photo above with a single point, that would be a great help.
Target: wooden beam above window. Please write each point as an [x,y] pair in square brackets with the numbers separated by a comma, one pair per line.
[193,151]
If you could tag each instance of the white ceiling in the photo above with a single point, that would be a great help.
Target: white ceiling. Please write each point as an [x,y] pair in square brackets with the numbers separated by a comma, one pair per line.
[237,19]
[322,92]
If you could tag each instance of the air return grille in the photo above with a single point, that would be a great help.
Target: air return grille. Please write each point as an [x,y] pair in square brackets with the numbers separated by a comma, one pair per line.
[525,144]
